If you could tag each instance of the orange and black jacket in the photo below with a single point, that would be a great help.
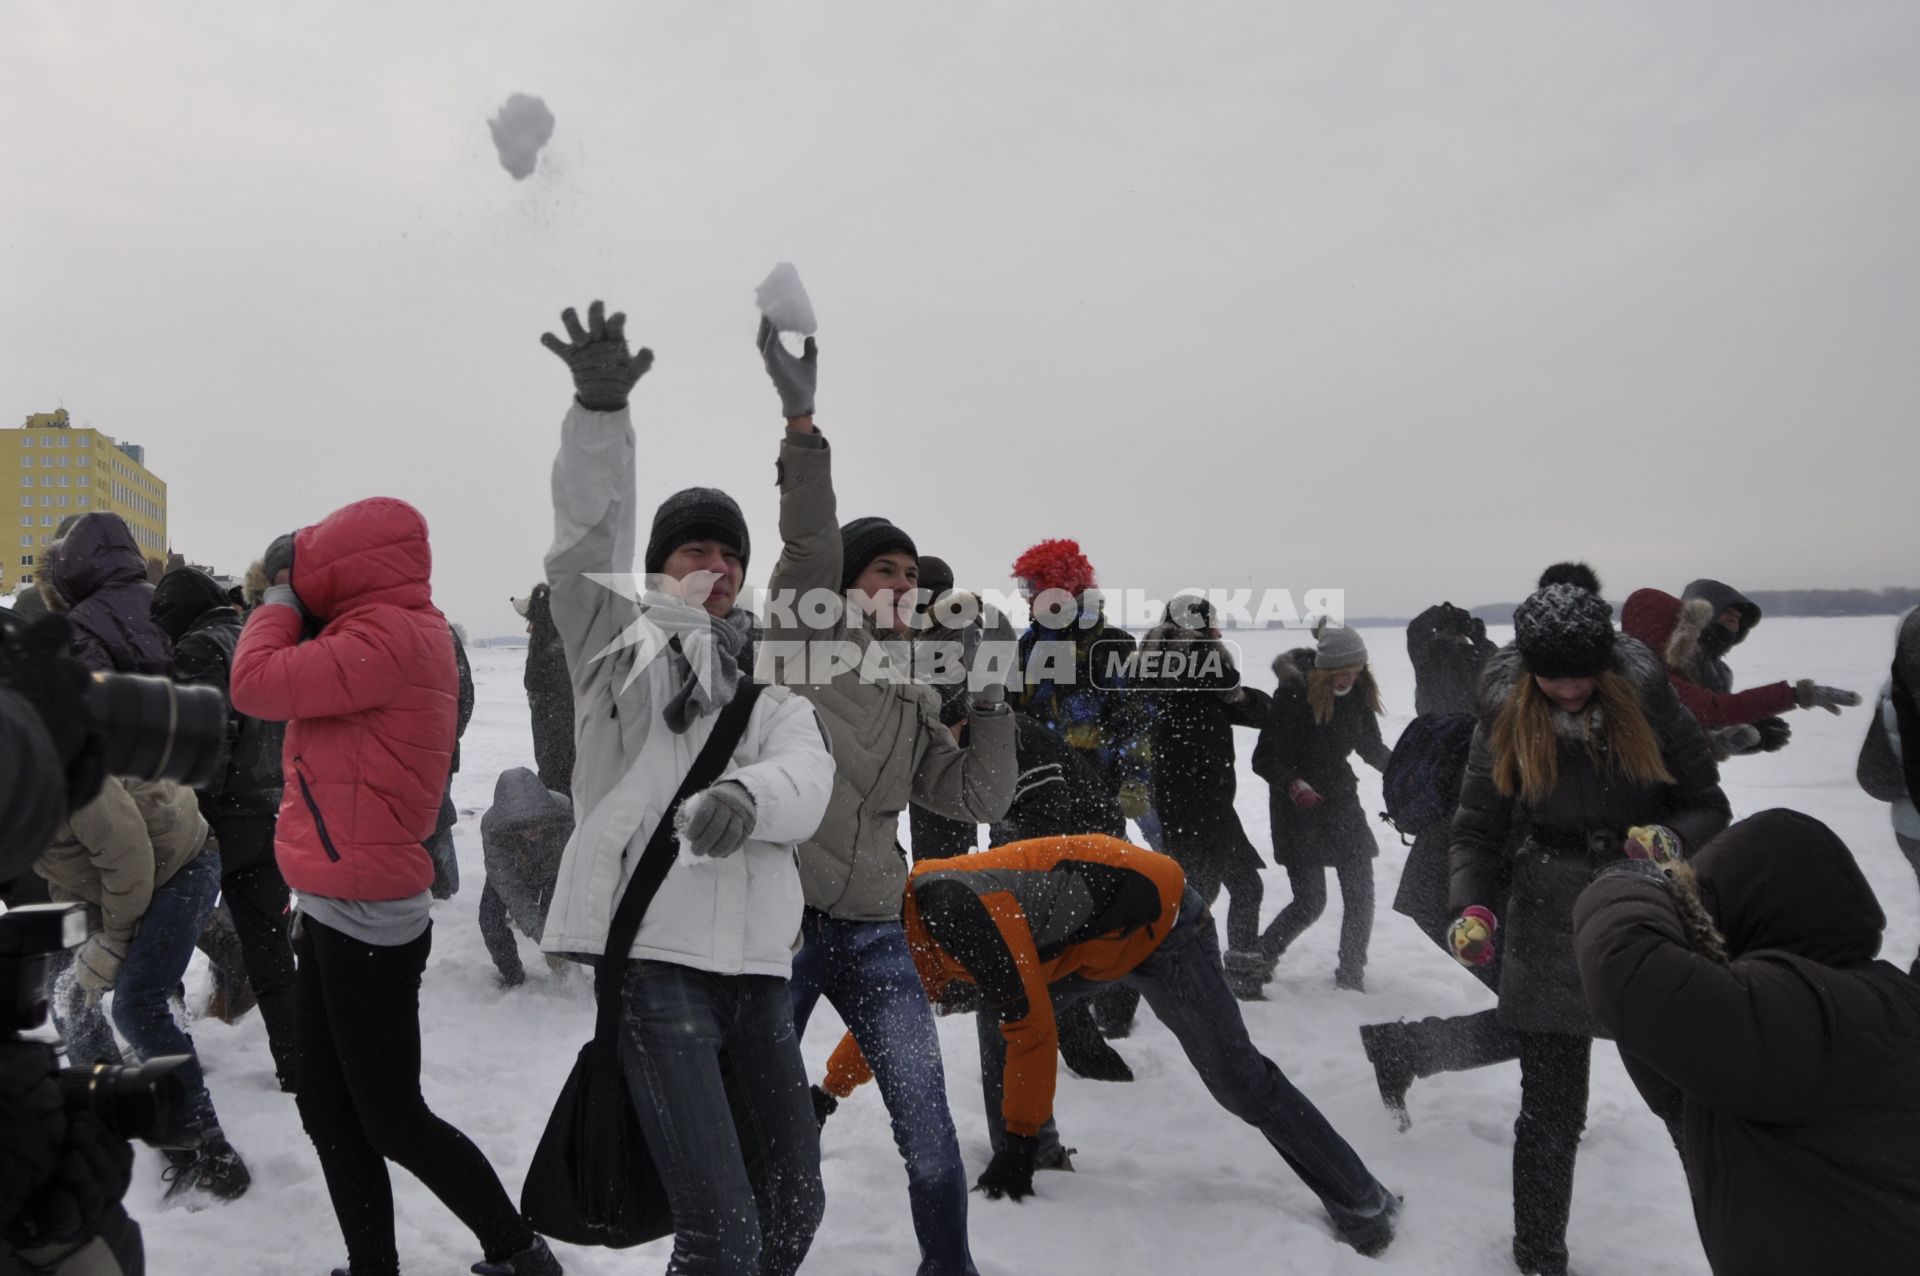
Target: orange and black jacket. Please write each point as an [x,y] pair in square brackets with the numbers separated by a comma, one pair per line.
[1019,918]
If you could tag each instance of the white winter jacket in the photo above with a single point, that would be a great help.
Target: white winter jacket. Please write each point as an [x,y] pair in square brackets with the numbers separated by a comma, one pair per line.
[737,915]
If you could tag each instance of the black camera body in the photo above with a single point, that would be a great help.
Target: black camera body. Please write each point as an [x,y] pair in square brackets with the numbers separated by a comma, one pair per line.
[142,1101]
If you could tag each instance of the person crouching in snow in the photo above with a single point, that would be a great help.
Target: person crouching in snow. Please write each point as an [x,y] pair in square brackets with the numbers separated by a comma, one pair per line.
[522,837]
[708,1044]
[140,857]
[850,657]
[1038,925]
[1748,1005]
[1325,707]
[1583,740]
[371,705]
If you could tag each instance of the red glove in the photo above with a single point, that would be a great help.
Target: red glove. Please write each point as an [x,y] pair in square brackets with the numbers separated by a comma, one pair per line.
[1655,842]
[1303,795]
[1471,936]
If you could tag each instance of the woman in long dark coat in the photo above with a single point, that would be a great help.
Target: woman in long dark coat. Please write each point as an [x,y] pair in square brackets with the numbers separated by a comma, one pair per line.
[1325,708]
[1582,737]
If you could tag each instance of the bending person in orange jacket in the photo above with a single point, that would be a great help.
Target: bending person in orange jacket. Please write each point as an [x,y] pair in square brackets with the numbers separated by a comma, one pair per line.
[1035,926]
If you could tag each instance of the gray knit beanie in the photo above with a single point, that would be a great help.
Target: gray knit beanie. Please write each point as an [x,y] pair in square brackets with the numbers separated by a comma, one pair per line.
[1340,647]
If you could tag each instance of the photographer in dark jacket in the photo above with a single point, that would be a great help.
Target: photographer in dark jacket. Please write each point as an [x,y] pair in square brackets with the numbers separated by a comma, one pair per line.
[242,806]
[1764,1024]
[61,1176]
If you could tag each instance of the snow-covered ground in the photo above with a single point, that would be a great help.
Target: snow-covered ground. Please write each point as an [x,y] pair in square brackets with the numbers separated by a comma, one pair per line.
[1166,1181]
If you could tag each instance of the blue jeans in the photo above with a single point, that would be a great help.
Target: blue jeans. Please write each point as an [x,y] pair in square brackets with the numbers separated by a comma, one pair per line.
[1184,983]
[865,970]
[161,948]
[718,1084]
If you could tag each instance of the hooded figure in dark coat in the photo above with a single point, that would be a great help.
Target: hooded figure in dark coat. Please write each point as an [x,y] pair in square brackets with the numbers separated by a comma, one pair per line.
[95,573]
[1786,1051]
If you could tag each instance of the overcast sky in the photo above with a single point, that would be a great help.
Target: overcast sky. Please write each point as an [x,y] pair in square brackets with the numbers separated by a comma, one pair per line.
[1403,299]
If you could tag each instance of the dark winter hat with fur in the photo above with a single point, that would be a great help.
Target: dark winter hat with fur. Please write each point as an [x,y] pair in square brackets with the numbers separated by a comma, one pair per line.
[865,539]
[696,514]
[1578,575]
[935,576]
[1564,631]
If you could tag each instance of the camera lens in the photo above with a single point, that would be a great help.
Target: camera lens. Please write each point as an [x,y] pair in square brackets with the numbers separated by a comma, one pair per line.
[159,730]
[146,1101]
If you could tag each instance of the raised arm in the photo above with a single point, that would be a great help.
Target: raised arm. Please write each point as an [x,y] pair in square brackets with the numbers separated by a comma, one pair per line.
[1745,1039]
[593,489]
[811,556]
[348,668]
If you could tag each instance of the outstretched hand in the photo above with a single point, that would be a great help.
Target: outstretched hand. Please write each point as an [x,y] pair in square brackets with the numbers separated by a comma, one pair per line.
[794,377]
[604,373]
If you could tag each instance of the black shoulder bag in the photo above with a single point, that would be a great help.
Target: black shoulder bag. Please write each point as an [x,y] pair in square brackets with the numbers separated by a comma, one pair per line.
[593,1181]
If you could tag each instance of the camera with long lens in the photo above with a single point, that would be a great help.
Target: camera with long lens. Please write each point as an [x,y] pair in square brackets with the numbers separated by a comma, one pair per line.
[154,729]
[146,1101]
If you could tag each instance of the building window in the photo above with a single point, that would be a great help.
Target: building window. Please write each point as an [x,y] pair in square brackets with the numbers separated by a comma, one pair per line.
[65,459]
[26,500]
[63,502]
[66,440]
[63,480]
[84,462]
[27,462]
[26,480]
[86,440]
[82,481]
[26,520]
[83,502]
[26,560]
[46,480]
[46,500]
[27,540]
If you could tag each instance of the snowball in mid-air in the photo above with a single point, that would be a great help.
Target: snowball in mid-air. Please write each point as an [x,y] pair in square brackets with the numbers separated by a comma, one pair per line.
[519,131]
[783,300]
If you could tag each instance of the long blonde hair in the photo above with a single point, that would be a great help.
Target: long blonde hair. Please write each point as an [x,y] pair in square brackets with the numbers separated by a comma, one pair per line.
[1526,746]
[1320,697]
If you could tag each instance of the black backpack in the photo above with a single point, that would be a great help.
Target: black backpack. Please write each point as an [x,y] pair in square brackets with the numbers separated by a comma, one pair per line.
[1422,780]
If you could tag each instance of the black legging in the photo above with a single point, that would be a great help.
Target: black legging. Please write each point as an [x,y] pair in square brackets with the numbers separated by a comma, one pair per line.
[1310,900]
[1553,1113]
[357,1011]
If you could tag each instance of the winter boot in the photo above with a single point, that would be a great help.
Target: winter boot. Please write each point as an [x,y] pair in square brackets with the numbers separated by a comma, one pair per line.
[1062,1159]
[1248,970]
[535,1260]
[213,1167]
[1389,1048]
[1350,980]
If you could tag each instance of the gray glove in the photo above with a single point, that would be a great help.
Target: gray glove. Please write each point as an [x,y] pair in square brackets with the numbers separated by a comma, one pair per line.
[794,378]
[96,963]
[716,821]
[279,558]
[1811,695]
[603,372]
[283,596]
[1730,742]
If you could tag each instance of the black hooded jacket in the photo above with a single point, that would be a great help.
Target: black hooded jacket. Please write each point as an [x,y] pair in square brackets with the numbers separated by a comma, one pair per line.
[1448,648]
[1793,1068]
[193,611]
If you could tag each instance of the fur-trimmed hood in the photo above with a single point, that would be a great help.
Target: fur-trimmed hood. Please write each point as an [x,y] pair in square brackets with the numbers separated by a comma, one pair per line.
[1719,596]
[1631,657]
[255,589]
[1293,666]
[1668,625]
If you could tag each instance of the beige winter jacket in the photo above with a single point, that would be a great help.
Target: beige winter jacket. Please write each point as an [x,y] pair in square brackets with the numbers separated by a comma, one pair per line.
[888,744]
[118,849]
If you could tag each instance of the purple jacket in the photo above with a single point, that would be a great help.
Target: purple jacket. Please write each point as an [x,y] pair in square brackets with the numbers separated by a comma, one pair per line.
[99,570]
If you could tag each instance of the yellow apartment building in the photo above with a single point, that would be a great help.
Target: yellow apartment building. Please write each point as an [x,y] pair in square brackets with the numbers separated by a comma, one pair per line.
[57,469]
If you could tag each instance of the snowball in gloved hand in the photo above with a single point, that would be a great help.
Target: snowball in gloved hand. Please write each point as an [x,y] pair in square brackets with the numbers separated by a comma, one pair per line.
[519,131]
[783,299]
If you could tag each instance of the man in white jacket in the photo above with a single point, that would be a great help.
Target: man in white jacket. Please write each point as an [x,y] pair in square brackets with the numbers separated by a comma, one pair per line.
[652,664]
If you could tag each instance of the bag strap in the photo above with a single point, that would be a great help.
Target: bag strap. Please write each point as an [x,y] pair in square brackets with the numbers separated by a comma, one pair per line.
[661,851]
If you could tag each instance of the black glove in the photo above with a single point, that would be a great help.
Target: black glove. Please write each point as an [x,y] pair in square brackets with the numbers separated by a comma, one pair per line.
[89,1177]
[824,1106]
[604,373]
[1774,734]
[38,664]
[1011,1173]
[794,378]
[33,1123]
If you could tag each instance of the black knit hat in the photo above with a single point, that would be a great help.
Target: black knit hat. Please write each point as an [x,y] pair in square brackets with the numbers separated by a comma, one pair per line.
[865,539]
[935,576]
[1564,631]
[696,514]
